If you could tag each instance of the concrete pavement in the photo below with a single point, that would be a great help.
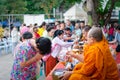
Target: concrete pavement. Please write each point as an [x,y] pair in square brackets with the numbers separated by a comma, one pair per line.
[6,61]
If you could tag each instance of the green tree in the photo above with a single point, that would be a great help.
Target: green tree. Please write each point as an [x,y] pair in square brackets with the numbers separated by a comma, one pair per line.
[16,7]
[12,7]
[104,15]
[61,5]
[66,4]
[33,7]
[100,14]
[3,7]
[94,8]
[96,13]
[48,5]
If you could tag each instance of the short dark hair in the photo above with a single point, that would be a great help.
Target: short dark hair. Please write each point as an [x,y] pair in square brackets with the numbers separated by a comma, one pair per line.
[35,24]
[87,28]
[24,24]
[34,28]
[49,28]
[59,32]
[118,27]
[44,45]
[67,29]
[27,35]
[43,24]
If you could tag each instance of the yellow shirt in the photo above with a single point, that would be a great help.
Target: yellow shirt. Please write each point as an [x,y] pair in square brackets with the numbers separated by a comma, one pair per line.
[1,32]
[40,31]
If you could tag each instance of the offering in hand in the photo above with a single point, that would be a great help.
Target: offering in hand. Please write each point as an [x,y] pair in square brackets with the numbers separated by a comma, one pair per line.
[58,73]
[76,49]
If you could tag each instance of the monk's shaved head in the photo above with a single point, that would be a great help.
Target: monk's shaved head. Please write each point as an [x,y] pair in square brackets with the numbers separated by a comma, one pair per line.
[96,33]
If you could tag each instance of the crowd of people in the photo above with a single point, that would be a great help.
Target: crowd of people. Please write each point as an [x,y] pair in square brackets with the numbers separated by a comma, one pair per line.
[33,44]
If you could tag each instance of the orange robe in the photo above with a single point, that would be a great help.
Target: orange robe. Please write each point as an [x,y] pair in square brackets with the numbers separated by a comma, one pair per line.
[98,64]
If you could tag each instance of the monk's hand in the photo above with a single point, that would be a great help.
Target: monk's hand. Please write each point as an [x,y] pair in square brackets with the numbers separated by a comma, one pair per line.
[118,65]
[66,75]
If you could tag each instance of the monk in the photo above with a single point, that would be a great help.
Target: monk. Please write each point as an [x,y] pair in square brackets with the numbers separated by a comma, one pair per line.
[98,63]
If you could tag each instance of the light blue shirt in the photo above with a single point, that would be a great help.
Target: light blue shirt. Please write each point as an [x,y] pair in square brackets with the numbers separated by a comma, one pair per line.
[117,37]
[78,32]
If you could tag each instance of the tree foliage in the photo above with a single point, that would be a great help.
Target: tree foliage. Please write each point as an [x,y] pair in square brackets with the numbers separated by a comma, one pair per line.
[46,7]
[33,7]
[12,6]
[100,15]
[105,14]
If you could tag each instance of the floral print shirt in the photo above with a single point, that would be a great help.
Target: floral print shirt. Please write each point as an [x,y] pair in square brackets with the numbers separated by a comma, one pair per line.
[23,52]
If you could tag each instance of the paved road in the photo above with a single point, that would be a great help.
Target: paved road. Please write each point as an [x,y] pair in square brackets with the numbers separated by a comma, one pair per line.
[6,62]
[5,66]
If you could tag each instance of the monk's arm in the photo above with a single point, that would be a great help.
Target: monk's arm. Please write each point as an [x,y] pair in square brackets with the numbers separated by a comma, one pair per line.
[79,57]
[88,67]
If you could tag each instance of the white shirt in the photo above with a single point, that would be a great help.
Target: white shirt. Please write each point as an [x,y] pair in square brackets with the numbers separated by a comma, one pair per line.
[14,35]
[57,45]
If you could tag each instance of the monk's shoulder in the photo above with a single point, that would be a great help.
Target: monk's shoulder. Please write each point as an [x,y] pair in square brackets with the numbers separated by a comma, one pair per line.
[92,50]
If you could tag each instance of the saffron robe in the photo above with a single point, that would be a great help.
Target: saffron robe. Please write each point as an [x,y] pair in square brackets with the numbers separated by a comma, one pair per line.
[98,64]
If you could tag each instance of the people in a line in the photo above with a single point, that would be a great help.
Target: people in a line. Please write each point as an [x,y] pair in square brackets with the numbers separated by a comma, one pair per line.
[111,33]
[68,35]
[42,28]
[14,36]
[23,29]
[85,32]
[77,30]
[117,39]
[35,34]
[98,62]
[62,26]
[69,24]
[49,33]
[82,25]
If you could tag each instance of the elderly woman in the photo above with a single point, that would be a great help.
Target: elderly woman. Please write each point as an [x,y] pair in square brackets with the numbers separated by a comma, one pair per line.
[26,51]
[98,63]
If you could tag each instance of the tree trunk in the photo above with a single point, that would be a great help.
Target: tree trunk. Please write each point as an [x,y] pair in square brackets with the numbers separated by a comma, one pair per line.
[94,14]
[110,12]
[91,5]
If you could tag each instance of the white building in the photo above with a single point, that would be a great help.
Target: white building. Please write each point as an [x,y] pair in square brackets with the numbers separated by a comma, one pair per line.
[115,13]
[76,12]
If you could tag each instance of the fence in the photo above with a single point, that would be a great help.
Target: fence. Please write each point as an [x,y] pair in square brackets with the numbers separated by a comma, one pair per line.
[17,19]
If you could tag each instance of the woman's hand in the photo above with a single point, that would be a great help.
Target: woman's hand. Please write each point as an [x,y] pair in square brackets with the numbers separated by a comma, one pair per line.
[72,54]
[77,56]
[34,59]
[23,64]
